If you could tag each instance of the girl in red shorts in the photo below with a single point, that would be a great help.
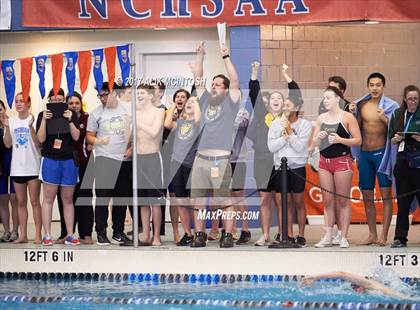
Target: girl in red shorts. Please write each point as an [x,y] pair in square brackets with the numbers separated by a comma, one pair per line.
[335,132]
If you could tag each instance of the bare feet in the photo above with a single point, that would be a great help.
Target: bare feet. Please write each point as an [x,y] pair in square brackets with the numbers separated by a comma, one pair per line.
[369,241]
[86,240]
[37,241]
[381,241]
[59,241]
[145,242]
[157,242]
[21,240]
[176,237]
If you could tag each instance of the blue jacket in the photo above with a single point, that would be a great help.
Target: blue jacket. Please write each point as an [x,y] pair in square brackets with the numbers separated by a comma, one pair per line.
[388,105]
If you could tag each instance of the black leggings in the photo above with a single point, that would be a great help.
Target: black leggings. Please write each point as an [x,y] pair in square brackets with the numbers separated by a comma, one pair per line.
[407,180]
[83,210]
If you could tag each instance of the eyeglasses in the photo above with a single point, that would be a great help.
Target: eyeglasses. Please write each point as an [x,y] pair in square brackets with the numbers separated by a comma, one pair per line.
[412,99]
[103,95]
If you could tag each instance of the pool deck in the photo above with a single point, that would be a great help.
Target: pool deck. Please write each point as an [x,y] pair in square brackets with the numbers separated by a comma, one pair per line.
[244,259]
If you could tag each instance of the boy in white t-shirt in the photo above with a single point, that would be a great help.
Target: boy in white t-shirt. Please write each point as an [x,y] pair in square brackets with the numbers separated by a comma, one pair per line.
[20,135]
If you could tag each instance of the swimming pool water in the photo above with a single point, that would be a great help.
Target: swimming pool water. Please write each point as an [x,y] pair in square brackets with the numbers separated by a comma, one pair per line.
[285,292]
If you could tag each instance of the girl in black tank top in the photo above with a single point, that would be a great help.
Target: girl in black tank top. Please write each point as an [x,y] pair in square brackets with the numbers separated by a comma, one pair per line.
[334,140]
[329,150]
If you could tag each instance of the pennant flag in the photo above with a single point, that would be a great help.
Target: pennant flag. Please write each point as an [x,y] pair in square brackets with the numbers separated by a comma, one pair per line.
[84,64]
[110,55]
[40,69]
[25,76]
[124,60]
[71,71]
[9,80]
[57,70]
[97,68]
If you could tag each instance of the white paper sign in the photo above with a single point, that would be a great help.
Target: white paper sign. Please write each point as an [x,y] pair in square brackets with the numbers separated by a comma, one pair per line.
[221,30]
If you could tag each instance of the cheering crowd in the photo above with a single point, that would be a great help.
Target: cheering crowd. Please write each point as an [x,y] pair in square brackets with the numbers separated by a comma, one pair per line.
[194,151]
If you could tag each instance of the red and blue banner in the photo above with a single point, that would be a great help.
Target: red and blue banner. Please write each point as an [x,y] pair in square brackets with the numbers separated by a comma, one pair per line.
[206,13]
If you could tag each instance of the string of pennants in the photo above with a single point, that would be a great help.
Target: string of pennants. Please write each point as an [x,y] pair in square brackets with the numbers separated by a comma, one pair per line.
[82,60]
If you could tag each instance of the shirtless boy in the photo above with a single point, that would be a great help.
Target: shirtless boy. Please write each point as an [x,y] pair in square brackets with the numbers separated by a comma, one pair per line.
[375,111]
[149,163]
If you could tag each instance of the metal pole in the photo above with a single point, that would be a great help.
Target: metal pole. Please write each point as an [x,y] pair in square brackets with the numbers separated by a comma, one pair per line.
[284,234]
[134,135]
[284,242]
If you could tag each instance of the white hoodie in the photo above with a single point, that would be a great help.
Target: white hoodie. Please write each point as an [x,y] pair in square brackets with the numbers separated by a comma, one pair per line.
[295,149]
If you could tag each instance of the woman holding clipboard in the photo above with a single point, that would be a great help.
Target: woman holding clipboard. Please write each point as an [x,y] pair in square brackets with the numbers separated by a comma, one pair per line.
[58,130]
[404,129]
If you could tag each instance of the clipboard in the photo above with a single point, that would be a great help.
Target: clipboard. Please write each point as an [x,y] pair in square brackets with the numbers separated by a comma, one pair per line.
[58,124]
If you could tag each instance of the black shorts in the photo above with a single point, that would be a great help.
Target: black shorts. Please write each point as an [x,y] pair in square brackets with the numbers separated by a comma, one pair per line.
[150,179]
[238,176]
[24,179]
[296,179]
[181,182]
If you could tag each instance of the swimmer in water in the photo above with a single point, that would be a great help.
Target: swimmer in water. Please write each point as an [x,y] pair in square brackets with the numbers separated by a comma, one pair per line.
[358,283]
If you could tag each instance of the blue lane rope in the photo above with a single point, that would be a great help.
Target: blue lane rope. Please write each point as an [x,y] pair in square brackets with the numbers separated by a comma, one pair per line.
[208,302]
[165,278]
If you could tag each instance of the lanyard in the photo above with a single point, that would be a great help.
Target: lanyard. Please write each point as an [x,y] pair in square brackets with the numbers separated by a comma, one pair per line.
[408,122]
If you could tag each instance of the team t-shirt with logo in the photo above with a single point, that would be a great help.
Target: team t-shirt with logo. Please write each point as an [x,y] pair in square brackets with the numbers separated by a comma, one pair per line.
[112,123]
[26,156]
[217,123]
[185,142]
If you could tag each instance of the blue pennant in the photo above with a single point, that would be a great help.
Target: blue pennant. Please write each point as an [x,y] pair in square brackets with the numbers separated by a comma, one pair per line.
[98,55]
[124,60]
[40,69]
[9,80]
[71,70]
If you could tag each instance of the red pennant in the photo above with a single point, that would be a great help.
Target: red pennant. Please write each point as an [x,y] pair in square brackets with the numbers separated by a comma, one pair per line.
[110,56]
[57,71]
[25,76]
[84,63]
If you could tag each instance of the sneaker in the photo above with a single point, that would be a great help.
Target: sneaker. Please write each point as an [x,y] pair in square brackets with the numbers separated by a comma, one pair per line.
[244,238]
[227,241]
[398,244]
[262,241]
[47,241]
[277,238]
[14,236]
[119,238]
[199,241]
[301,241]
[324,242]
[185,240]
[6,237]
[214,235]
[336,239]
[344,243]
[72,240]
[102,238]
